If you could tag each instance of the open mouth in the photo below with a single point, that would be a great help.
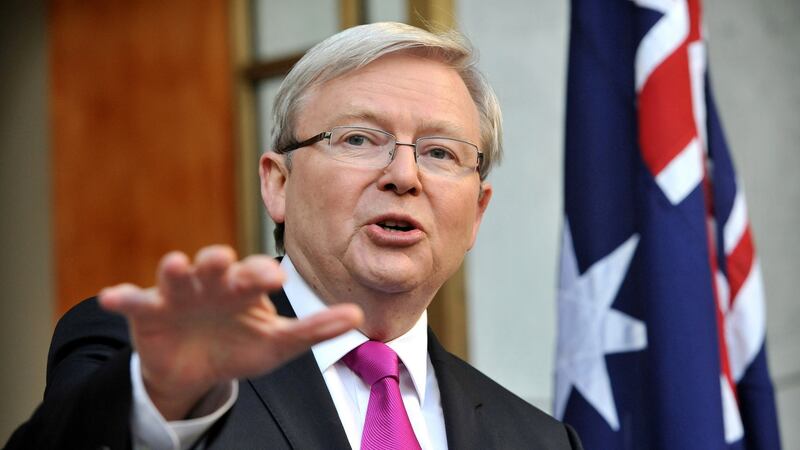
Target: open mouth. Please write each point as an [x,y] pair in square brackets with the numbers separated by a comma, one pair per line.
[395,230]
[396,225]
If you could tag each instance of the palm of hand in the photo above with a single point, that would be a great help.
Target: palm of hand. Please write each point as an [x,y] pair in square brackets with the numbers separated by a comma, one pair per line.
[211,322]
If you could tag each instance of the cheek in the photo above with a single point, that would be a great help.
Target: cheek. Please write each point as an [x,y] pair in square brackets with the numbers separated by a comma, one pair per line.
[455,213]
[322,197]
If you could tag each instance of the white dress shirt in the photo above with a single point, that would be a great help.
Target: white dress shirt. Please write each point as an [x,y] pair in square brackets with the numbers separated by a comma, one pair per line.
[418,385]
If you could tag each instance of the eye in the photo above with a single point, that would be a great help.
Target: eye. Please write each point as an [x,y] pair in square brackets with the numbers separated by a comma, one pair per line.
[356,140]
[359,138]
[440,153]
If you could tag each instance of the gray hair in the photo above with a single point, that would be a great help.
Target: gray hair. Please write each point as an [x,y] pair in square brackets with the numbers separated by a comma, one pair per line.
[356,47]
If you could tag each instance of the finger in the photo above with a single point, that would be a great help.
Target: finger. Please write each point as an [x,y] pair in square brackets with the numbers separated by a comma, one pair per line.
[211,263]
[302,334]
[129,300]
[175,279]
[255,274]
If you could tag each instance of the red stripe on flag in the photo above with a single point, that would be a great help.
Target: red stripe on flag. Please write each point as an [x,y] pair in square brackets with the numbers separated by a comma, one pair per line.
[666,118]
[724,359]
[695,29]
[740,262]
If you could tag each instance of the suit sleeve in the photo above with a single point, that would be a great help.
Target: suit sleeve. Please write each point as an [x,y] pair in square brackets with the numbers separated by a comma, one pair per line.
[87,399]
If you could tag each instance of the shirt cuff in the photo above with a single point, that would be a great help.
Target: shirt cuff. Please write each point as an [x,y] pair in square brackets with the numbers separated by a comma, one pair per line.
[151,431]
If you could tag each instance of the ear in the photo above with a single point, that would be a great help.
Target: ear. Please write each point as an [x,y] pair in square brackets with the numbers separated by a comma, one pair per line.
[483,202]
[274,175]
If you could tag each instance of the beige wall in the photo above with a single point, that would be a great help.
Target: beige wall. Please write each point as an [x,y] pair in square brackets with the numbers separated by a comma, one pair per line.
[25,244]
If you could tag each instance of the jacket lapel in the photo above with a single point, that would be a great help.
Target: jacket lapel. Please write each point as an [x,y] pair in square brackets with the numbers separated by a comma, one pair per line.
[297,397]
[460,404]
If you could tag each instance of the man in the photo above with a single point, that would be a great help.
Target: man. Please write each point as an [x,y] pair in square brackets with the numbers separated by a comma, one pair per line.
[384,135]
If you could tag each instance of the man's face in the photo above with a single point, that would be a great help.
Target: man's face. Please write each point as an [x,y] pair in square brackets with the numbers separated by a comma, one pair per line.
[340,217]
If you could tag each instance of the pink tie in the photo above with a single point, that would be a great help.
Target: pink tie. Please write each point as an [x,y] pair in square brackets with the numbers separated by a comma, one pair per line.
[387,425]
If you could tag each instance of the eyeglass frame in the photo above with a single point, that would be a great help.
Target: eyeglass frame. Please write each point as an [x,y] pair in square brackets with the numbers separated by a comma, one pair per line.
[327,135]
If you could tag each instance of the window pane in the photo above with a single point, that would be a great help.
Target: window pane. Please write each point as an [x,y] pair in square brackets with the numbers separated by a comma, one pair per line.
[288,27]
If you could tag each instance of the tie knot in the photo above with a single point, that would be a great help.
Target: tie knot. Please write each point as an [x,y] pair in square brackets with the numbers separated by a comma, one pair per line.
[372,361]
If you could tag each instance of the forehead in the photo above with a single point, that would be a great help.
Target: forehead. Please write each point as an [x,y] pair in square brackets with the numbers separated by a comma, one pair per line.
[403,93]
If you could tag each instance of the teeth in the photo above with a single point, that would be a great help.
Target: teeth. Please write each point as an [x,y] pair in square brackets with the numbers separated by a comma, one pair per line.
[395,225]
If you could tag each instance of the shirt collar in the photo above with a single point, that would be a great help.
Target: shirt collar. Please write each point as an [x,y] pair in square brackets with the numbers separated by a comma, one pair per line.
[411,347]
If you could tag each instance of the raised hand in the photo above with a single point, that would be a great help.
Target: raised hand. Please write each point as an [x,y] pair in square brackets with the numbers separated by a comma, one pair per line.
[210,322]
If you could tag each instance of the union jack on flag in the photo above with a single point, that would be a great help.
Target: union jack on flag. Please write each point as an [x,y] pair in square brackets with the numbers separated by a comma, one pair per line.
[661,339]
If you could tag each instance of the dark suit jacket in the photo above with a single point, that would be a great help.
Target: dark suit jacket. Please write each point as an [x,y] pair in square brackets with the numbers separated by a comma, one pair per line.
[87,400]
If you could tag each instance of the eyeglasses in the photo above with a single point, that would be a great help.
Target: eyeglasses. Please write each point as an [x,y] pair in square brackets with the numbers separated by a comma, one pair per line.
[368,147]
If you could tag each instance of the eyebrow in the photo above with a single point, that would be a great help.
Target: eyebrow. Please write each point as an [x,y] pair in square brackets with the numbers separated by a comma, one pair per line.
[357,116]
[442,128]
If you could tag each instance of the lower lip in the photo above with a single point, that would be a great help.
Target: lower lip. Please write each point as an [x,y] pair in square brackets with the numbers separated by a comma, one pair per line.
[384,237]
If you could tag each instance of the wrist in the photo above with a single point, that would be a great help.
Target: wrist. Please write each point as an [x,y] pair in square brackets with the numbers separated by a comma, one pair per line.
[174,400]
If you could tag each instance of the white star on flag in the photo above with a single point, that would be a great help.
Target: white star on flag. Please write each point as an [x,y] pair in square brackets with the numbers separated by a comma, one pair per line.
[588,329]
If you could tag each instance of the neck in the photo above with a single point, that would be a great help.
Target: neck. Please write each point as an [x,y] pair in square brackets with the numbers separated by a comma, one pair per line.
[387,315]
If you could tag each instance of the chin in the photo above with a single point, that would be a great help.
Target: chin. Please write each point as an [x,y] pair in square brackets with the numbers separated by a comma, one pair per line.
[389,282]
[395,274]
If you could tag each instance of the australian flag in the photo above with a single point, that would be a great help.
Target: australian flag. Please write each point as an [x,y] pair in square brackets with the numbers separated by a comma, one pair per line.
[661,339]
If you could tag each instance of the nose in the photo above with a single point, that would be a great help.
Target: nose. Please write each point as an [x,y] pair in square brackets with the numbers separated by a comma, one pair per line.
[402,173]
